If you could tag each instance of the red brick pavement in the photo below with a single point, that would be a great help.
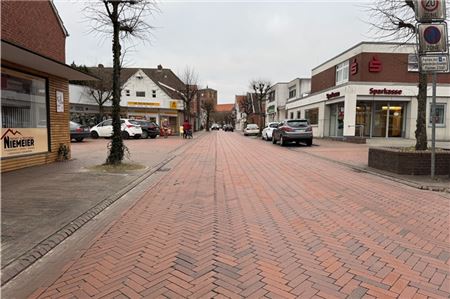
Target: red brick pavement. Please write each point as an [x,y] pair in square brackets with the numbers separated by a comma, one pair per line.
[240,218]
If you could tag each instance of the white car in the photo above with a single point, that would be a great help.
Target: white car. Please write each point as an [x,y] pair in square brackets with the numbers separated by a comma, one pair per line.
[267,131]
[129,127]
[251,129]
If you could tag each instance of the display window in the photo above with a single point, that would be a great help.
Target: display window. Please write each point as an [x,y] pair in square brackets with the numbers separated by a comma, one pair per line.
[24,114]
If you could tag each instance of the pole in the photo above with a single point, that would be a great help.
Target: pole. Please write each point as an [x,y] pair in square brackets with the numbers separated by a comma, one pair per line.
[433,128]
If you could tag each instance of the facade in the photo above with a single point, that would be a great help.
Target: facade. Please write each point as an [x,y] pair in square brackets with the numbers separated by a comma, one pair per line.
[34,85]
[247,111]
[223,114]
[370,90]
[203,95]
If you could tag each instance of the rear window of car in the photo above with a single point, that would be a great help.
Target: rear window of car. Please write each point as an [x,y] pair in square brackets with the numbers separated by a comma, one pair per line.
[297,123]
[133,122]
[252,126]
[273,125]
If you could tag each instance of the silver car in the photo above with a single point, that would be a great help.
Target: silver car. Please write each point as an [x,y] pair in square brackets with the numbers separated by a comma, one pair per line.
[293,130]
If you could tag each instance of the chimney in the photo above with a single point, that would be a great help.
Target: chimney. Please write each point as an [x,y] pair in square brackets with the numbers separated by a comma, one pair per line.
[160,67]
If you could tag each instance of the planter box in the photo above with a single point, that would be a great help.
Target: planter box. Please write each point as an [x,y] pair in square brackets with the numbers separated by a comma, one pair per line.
[349,139]
[409,162]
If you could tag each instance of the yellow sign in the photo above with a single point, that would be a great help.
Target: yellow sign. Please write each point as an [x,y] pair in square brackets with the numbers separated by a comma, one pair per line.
[173,104]
[22,141]
[143,104]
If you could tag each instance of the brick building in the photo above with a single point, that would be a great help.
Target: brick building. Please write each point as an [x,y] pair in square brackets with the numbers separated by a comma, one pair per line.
[205,94]
[223,114]
[370,90]
[34,84]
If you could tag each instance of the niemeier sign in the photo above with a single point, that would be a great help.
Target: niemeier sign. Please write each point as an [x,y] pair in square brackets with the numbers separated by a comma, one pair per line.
[386,91]
[21,141]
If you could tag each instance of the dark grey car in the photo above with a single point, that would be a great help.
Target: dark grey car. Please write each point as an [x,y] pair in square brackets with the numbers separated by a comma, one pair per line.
[293,130]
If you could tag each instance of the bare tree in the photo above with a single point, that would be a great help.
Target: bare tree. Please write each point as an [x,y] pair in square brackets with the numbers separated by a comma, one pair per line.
[100,90]
[189,90]
[208,107]
[122,19]
[394,20]
[246,106]
[261,88]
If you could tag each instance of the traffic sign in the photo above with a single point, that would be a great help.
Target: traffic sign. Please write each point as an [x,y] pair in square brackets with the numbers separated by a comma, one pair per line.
[430,11]
[432,38]
[434,63]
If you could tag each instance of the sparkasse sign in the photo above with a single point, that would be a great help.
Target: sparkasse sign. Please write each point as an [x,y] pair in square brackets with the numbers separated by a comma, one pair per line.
[430,11]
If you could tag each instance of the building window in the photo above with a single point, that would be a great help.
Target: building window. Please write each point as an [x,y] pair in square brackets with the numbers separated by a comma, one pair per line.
[342,73]
[440,115]
[24,114]
[413,62]
[272,96]
[292,115]
[153,93]
[127,92]
[312,115]
[292,92]
[298,114]
[140,93]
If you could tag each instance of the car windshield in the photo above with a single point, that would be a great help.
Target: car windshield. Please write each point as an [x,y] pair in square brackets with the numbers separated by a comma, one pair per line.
[297,123]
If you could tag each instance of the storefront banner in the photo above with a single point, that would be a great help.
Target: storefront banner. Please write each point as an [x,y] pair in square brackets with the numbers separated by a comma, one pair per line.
[144,104]
[23,141]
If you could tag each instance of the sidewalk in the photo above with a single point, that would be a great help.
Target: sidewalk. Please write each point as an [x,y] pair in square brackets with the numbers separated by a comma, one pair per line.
[357,155]
[225,223]
[43,205]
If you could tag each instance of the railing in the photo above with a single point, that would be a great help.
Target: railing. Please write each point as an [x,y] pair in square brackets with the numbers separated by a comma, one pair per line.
[361,129]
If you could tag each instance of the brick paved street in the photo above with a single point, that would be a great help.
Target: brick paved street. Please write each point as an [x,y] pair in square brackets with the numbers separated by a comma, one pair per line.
[241,218]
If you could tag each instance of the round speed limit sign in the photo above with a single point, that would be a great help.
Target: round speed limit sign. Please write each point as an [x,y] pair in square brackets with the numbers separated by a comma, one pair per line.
[430,5]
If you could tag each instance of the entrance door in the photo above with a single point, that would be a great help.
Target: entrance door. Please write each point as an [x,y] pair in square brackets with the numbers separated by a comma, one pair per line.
[337,120]
[380,119]
[388,119]
[396,111]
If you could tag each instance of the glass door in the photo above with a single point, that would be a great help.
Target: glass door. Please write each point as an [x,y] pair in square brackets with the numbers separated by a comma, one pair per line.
[337,120]
[396,111]
[363,118]
[380,119]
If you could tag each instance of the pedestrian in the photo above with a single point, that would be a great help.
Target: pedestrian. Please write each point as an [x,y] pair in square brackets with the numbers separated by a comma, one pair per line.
[165,125]
[187,129]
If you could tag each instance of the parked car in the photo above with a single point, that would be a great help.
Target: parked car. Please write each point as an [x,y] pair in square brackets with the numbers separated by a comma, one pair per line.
[129,127]
[293,130]
[149,129]
[267,131]
[215,127]
[251,129]
[78,131]
[228,128]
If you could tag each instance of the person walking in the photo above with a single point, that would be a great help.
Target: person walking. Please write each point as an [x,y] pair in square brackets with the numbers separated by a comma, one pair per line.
[187,129]
[165,126]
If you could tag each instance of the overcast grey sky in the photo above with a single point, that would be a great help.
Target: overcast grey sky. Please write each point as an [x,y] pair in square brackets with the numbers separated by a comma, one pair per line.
[229,42]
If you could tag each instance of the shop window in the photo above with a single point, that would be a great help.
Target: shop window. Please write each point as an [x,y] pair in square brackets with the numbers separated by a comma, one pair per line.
[440,115]
[312,115]
[292,115]
[23,100]
[272,96]
[342,73]
[298,114]
[153,93]
[140,93]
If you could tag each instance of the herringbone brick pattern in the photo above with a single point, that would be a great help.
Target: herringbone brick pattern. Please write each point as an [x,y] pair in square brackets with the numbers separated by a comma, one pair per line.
[239,218]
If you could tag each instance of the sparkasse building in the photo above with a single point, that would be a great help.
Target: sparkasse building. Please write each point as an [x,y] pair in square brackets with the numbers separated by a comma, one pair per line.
[371,90]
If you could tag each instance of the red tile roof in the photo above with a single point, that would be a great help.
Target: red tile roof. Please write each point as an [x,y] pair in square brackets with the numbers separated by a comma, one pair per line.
[224,107]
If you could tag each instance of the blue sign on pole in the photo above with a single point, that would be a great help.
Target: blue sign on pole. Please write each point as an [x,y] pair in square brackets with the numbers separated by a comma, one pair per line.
[432,35]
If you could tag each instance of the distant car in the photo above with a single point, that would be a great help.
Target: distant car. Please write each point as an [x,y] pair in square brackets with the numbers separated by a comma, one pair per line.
[215,127]
[228,128]
[149,129]
[251,129]
[293,130]
[267,131]
[78,131]
[129,128]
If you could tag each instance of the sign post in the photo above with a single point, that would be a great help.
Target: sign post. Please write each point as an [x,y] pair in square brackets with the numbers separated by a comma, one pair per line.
[433,50]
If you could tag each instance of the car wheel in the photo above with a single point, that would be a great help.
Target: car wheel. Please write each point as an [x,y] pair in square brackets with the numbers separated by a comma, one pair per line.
[125,135]
[262,137]
[144,134]
[137,136]
[79,139]
[309,142]
[282,141]
[94,135]
[152,136]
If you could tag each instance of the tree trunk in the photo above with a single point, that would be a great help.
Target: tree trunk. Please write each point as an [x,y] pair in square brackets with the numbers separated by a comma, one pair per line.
[421,124]
[116,151]
[207,121]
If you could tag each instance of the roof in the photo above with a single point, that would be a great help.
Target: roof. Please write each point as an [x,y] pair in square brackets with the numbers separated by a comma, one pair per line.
[22,56]
[61,24]
[164,78]
[224,107]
